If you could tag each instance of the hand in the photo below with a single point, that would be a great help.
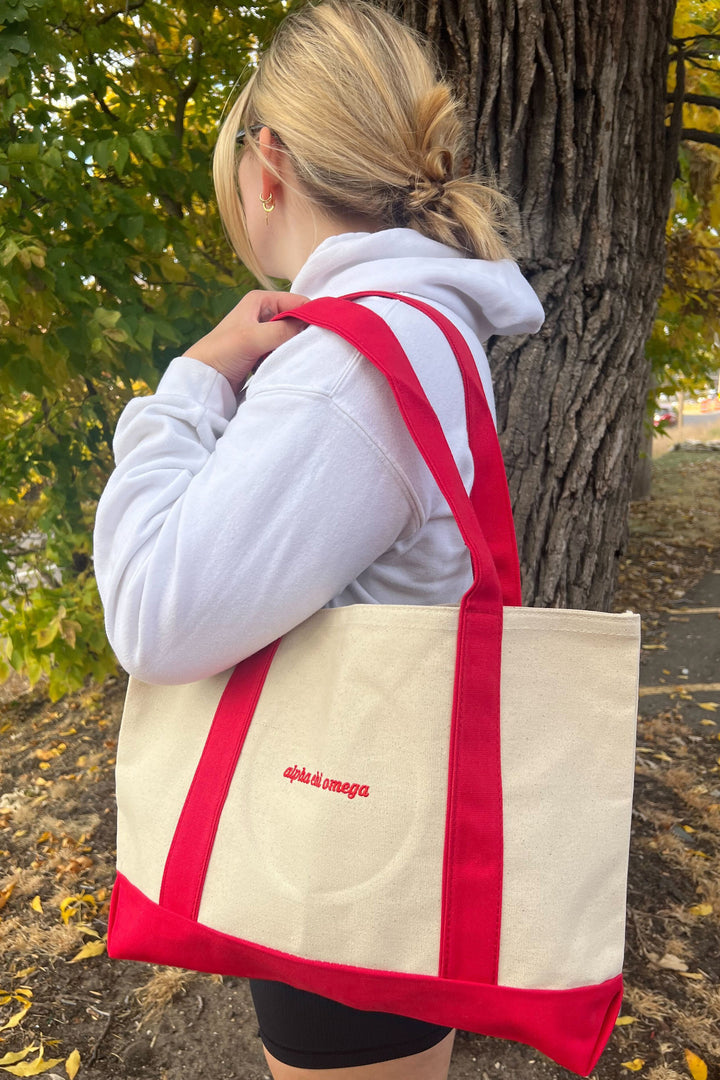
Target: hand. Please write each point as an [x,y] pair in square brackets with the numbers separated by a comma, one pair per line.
[245,336]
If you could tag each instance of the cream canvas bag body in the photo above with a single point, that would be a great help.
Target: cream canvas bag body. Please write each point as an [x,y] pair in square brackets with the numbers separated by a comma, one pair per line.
[419,810]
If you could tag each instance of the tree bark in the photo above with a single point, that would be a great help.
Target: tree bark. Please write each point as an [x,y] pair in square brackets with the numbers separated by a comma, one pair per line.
[566,103]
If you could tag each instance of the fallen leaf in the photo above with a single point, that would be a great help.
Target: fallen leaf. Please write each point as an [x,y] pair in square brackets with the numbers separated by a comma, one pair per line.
[5,894]
[688,828]
[635,1065]
[692,975]
[711,706]
[623,1020]
[25,972]
[72,905]
[654,647]
[696,1065]
[23,995]
[701,909]
[18,1055]
[86,929]
[36,904]
[92,948]
[708,723]
[672,962]
[32,1068]
[72,1064]
[662,756]
[74,866]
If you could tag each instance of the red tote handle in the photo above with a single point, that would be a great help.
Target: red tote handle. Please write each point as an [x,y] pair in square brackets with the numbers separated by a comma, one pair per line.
[372,337]
[490,496]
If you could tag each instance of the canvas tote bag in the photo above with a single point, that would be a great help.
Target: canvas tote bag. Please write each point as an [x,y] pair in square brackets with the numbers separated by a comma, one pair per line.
[418,810]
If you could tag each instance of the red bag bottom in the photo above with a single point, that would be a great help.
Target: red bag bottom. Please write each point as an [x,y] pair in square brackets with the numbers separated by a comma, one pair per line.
[569,1026]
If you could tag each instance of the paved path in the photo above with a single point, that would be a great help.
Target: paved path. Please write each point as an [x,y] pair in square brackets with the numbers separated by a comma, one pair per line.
[691,658]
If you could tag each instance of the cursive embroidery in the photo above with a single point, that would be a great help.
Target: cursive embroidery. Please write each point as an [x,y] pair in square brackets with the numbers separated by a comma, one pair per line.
[303,776]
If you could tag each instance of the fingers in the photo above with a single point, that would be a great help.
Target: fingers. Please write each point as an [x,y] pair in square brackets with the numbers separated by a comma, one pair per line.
[277,333]
[268,304]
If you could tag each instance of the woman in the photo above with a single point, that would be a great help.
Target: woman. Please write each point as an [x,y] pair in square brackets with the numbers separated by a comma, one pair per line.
[237,509]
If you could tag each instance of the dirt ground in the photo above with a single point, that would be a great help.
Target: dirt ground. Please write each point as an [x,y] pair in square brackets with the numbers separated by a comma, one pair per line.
[60,993]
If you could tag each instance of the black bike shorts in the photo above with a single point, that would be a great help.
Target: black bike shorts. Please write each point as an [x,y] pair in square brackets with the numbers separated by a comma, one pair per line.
[313,1032]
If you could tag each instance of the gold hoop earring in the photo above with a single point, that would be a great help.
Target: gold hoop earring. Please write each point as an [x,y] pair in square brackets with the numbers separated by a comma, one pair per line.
[268,202]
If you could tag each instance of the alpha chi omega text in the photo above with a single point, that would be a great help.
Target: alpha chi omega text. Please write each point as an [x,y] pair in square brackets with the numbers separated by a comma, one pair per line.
[476,876]
[317,780]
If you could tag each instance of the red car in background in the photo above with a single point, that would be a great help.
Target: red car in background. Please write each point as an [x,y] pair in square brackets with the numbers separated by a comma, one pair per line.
[664,416]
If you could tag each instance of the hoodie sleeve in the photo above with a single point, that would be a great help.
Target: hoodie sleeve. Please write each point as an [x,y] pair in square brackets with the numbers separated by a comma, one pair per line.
[222,527]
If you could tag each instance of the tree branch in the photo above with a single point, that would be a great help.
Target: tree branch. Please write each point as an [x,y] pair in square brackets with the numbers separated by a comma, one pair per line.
[698,99]
[695,37]
[188,90]
[673,132]
[120,11]
[702,67]
[105,107]
[711,138]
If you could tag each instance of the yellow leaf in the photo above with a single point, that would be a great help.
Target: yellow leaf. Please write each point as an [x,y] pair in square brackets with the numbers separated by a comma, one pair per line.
[72,1064]
[688,828]
[86,929]
[623,1020]
[11,1059]
[6,893]
[701,909]
[33,1068]
[18,1055]
[93,948]
[36,904]
[662,756]
[696,1065]
[72,905]
[708,723]
[22,995]
[635,1065]
[25,972]
[711,706]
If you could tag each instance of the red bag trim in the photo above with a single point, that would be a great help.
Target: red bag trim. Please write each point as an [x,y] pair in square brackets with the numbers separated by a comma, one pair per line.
[490,496]
[189,855]
[570,1026]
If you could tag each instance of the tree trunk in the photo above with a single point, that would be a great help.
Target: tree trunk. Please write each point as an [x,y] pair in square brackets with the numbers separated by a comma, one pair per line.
[567,104]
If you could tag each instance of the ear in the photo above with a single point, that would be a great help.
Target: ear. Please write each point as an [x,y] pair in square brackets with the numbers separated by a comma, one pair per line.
[270,152]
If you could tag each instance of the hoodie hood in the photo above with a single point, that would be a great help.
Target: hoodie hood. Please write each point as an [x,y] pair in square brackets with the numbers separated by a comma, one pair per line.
[491,297]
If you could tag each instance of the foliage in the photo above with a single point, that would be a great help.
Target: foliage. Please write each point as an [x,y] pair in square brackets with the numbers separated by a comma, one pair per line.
[112,258]
[684,346]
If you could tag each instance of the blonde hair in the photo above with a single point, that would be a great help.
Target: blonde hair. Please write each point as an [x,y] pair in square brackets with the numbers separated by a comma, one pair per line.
[356,101]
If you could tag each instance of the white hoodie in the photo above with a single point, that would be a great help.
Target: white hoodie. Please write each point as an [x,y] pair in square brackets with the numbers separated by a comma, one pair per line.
[227,522]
